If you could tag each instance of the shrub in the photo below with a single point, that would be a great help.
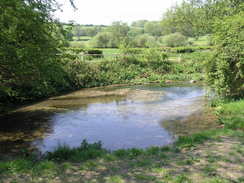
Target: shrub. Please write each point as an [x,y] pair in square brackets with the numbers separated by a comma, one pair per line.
[144,41]
[91,54]
[84,152]
[95,52]
[225,69]
[184,50]
[156,59]
[175,39]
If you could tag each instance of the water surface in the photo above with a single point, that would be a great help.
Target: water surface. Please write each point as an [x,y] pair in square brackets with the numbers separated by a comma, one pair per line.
[127,117]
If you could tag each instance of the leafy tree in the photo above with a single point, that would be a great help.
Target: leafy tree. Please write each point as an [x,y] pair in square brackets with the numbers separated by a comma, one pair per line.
[135,31]
[153,28]
[29,42]
[187,18]
[225,70]
[103,40]
[194,18]
[139,23]
[119,32]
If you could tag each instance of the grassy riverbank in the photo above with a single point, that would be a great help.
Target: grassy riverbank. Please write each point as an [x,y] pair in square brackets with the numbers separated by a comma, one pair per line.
[212,156]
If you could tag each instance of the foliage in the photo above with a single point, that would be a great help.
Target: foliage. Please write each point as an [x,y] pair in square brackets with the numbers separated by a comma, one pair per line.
[231,114]
[103,40]
[187,18]
[84,152]
[112,37]
[92,53]
[195,18]
[144,41]
[29,51]
[225,70]
[157,60]
[174,40]
[119,32]
[153,28]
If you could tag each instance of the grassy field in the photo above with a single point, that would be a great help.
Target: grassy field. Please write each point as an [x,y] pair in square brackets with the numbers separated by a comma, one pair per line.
[78,44]
[201,41]
[82,38]
[213,156]
[83,41]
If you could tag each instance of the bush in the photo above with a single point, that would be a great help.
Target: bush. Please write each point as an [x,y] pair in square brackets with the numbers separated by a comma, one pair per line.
[186,49]
[175,39]
[156,59]
[225,69]
[144,41]
[84,152]
[91,54]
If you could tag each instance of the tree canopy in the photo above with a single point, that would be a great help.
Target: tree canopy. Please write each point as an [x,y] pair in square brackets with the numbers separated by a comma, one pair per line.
[29,45]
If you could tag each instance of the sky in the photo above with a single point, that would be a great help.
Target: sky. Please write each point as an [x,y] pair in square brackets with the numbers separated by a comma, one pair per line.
[107,11]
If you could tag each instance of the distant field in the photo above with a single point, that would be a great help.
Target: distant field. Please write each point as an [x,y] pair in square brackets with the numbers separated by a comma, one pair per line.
[201,41]
[81,41]
[80,44]
[81,38]
[110,51]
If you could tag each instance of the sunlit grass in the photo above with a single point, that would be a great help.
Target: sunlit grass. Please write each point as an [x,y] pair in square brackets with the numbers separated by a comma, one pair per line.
[232,114]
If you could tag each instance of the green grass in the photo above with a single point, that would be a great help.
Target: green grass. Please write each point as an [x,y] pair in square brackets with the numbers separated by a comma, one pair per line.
[110,53]
[82,38]
[155,164]
[232,114]
[79,44]
[201,41]
[84,152]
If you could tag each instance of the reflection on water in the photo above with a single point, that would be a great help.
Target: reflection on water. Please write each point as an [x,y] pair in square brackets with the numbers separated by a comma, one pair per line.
[138,116]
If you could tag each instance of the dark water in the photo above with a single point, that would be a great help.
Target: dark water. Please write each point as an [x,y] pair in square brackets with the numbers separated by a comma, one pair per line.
[140,117]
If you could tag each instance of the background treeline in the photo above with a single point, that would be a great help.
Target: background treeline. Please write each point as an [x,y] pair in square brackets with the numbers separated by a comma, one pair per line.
[141,34]
[35,63]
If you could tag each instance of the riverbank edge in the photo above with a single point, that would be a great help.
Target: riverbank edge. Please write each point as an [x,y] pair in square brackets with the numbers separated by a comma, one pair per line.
[12,108]
[30,165]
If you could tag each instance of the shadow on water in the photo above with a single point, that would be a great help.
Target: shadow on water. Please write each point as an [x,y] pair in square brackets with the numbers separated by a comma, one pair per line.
[122,117]
[19,129]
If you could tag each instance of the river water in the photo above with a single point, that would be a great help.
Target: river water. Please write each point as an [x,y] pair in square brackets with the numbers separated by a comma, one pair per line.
[119,117]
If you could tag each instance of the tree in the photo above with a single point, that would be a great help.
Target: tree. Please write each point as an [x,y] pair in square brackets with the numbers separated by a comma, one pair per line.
[29,47]
[225,69]
[187,18]
[194,18]
[103,40]
[119,32]
[135,31]
[139,23]
[153,28]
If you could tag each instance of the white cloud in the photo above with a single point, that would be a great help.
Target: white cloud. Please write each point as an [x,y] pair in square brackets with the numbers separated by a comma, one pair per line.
[107,11]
